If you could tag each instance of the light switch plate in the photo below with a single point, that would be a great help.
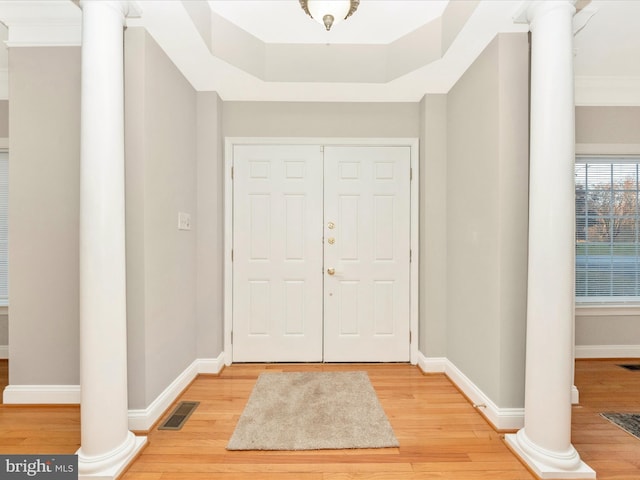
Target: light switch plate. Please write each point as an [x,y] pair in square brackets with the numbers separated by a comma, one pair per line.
[184,221]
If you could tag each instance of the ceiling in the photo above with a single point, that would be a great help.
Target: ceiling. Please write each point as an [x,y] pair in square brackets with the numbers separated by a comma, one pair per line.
[387,51]
[376,22]
[304,69]
[610,43]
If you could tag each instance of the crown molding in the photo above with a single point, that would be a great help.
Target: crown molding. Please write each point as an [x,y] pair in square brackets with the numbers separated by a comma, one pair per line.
[607,91]
[38,23]
[42,35]
[49,23]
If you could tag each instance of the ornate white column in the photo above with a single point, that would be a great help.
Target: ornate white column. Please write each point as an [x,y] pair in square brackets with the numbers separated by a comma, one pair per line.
[107,445]
[545,441]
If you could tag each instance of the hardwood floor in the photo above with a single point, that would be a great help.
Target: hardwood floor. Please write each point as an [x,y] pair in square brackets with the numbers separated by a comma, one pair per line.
[606,387]
[440,433]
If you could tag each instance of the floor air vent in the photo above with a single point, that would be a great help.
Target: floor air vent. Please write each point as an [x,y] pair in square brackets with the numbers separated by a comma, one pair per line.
[635,366]
[179,416]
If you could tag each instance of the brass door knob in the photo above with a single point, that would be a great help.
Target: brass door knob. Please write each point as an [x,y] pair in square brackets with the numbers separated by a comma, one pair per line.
[331,271]
[331,225]
[331,241]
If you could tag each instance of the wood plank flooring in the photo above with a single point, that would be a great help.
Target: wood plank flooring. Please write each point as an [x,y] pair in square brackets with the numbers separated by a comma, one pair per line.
[606,387]
[441,435]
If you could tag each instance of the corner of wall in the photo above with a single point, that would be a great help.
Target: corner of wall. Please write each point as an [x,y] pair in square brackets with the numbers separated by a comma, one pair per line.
[513,211]
[142,419]
[134,79]
[433,224]
[161,182]
[210,215]
[500,419]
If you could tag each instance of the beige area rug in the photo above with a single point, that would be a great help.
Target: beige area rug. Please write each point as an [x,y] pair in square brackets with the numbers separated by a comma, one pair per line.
[310,411]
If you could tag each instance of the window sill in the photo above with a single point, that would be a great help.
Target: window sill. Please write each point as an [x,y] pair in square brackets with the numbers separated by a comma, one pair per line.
[603,310]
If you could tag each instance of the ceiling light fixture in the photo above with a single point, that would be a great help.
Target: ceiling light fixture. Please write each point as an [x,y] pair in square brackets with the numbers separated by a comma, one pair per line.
[329,12]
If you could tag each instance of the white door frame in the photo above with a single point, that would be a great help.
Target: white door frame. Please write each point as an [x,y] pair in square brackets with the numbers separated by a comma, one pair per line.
[230,142]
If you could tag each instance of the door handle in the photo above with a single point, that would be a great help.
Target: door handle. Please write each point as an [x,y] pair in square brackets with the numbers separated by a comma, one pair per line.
[331,271]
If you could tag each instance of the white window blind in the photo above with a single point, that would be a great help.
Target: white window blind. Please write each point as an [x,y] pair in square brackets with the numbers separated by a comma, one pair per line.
[607,235]
[4,229]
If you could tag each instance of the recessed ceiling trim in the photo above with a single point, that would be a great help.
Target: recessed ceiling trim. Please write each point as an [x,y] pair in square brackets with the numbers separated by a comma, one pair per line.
[230,43]
[327,63]
[330,63]
[375,22]
[172,28]
[454,18]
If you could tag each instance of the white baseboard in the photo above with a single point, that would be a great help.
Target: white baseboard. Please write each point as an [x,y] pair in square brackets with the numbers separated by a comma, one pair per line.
[4,351]
[500,418]
[607,351]
[432,364]
[144,419]
[211,365]
[41,394]
[138,419]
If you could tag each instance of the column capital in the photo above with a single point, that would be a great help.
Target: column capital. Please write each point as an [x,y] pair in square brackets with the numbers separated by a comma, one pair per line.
[127,8]
[529,10]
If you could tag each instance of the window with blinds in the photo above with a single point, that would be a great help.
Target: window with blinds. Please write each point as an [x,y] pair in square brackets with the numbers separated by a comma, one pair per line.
[4,229]
[607,229]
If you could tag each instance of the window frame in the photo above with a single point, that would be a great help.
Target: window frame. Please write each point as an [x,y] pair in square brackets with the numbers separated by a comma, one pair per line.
[607,305]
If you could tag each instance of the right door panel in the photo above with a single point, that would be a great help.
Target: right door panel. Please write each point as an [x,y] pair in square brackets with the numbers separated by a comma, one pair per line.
[366,254]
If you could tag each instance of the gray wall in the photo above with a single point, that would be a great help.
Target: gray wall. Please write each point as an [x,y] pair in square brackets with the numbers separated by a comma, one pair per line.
[4,133]
[4,330]
[315,119]
[433,226]
[44,120]
[210,226]
[4,118]
[160,145]
[174,303]
[486,202]
[608,126]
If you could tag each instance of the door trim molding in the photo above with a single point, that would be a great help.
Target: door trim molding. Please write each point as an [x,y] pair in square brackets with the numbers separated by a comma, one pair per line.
[230,142]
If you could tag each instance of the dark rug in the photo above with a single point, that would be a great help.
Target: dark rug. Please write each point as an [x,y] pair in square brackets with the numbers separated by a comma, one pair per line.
[629,422]
[632,367]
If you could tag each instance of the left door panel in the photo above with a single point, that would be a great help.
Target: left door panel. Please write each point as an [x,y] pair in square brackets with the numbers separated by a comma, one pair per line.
[277,253]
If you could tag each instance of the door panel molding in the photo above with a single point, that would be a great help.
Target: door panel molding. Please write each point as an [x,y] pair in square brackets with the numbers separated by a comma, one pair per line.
[277,256]
[367,200]
[381,170]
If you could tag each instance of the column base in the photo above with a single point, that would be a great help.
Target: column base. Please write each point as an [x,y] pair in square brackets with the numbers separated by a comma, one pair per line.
[111,465]
[546,465]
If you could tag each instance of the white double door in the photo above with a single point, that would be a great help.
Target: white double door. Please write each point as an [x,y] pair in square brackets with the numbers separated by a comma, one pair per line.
[321,247]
